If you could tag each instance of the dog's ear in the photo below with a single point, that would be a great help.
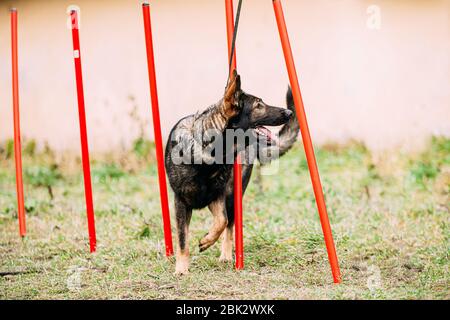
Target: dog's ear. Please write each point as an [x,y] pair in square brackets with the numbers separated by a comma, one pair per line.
[233,86]
[238,81]
[232,94]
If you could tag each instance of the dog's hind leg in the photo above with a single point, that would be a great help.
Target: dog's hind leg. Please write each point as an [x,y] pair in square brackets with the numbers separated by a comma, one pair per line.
[217,209]
[183,216]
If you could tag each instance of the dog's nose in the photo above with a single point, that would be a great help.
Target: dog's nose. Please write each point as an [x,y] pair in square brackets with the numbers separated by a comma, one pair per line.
[288,113]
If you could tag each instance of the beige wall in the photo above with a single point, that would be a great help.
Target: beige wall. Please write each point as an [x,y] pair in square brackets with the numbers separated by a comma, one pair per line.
[387,87]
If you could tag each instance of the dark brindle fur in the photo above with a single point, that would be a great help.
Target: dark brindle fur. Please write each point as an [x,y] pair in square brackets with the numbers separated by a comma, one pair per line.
[199,185]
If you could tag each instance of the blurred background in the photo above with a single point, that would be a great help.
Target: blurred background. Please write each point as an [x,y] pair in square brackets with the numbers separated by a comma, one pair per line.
[373,71]
[375,81]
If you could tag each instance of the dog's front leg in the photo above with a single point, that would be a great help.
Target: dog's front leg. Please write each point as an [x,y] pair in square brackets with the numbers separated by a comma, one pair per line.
[183,215]
[226,254]
[217,209]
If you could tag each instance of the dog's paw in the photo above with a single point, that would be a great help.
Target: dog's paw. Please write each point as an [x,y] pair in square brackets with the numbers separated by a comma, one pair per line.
[205,243]
[226,254]
[225,259]
[181,269]
[180,273]
[203,246]
[182,265]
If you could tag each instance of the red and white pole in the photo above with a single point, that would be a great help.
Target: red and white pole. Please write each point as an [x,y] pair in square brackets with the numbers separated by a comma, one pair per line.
[17,144]
[237,167]
[157,130]
[83,132]
[307,143]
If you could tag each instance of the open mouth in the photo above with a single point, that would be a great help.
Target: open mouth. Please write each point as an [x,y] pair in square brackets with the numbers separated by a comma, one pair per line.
[266,134]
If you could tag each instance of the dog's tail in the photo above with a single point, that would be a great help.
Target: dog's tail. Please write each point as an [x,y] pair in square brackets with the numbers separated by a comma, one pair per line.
[289,132]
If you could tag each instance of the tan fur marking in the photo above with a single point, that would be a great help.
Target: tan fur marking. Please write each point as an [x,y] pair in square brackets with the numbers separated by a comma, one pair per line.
[226,254]
[217,209]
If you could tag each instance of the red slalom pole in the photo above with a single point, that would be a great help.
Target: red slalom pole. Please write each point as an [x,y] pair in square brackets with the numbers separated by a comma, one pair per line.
[237,167]
[230,30]
[157,130]
[307,143]
[17,144]
[83,132]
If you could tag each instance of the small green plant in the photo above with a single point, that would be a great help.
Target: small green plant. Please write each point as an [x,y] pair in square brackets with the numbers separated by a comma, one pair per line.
[107,172]
[431,162]
[31,205]
[9,149]
[369,178]
[311,241]
[423,171]
[144,233]
[10,208]
[30,148]
[440,149]
[43,177]
[142,148]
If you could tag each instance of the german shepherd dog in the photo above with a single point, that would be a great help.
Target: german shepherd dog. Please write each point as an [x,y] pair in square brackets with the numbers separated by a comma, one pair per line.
[205,183]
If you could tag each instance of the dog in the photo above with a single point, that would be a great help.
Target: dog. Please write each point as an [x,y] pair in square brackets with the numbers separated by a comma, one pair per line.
[210,183]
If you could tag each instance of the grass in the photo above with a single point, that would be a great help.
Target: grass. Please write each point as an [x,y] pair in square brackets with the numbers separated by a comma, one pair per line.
[389,213]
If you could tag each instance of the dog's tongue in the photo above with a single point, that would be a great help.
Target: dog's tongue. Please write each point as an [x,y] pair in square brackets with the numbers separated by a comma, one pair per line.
[266,132]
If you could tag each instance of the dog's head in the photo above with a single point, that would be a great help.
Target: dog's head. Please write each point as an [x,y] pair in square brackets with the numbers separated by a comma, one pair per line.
[250,112]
